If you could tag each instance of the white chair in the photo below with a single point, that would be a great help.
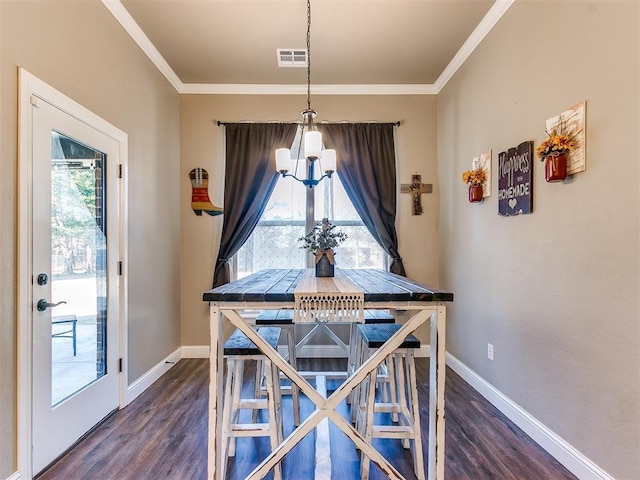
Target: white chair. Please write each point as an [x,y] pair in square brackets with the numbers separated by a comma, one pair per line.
[404,402]
[238,349]
[284,320]
[371,317]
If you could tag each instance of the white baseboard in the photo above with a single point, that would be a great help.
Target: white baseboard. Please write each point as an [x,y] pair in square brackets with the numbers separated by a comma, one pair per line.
[145,381]
[15,476]
[423,352]
[572,459]
[195,351]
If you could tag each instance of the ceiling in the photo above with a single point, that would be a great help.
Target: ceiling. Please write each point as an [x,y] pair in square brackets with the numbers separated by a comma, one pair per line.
[357,46]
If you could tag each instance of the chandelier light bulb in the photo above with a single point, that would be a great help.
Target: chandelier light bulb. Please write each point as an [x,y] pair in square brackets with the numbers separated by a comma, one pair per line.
[283,160]
[312,144]
[329,160]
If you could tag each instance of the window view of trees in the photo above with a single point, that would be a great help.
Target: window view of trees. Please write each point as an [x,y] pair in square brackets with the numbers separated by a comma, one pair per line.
[77,239]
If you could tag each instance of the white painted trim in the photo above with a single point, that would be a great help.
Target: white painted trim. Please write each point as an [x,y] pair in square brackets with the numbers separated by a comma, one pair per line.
[265,89]
[124,278]
[25,267]
[145,381]
[484,27]
[195,351]
[133,29]
[15,476]
[30,85]
[567,455]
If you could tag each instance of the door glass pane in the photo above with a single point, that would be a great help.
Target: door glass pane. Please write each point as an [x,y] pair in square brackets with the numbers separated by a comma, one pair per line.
[78,266]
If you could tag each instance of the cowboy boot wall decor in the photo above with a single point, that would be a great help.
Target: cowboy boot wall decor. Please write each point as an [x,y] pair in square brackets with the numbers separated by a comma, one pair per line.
[200,193]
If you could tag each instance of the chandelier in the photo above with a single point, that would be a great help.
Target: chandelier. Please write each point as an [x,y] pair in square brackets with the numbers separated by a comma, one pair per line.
[311,137]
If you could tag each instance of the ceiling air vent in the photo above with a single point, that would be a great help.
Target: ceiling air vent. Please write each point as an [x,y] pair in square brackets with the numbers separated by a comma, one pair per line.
[291,57]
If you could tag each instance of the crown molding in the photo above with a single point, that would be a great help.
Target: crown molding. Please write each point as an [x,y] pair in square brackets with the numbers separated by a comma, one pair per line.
[265,89]
[133,29]
[484,27]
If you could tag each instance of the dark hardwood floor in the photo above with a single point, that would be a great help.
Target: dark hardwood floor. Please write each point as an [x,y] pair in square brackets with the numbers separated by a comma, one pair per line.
[163,435]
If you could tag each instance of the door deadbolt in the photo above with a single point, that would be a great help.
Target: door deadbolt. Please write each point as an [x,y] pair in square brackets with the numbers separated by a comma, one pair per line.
[43,279]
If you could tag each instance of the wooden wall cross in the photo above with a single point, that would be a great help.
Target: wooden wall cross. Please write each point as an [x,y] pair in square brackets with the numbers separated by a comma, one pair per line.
[416,188]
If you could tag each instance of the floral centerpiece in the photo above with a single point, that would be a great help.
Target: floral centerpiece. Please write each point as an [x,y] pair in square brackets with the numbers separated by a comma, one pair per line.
[475,179]
[321,241]
[553,152]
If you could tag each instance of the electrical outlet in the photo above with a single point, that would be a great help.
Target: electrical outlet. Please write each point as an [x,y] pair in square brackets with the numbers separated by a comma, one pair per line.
[490,351]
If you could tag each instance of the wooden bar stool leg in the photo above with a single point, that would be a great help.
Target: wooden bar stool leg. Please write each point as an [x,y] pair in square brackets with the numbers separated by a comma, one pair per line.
[258,391]
[394,383]
[272,381]
[238,378]
[356,392]
[351,361]
[418,459]
[390,386]
[223,452]
[295,390]
[365,463]
[278,403]
[405,414]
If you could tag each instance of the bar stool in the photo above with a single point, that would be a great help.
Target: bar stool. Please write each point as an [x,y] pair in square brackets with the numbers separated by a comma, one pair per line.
[238,349]
[371,317]
[284,320]
[402,364]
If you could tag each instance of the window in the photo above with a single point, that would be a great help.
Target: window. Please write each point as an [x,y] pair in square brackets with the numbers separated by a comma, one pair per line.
[274,242]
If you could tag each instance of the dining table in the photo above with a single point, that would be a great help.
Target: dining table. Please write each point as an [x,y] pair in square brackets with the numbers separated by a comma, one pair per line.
[342,298]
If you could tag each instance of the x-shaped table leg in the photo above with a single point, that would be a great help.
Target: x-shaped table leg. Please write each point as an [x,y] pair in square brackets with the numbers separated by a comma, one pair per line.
[326,407]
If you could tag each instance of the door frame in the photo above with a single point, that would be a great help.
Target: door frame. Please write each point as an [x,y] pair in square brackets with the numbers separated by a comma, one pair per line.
[30,86]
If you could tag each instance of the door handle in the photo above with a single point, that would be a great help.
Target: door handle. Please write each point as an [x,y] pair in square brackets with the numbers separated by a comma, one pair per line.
[43,304]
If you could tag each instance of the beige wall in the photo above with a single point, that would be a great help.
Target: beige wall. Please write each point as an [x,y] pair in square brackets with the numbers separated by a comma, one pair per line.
[79,48]
[202,145]
[556,292]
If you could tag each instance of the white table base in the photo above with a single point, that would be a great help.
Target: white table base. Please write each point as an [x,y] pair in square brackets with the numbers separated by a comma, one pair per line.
[326,407]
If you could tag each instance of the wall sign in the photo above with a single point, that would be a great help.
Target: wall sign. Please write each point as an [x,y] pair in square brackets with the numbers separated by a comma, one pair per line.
[515,182]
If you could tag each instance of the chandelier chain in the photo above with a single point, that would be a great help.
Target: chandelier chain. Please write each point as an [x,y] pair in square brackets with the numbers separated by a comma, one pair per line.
[309,54]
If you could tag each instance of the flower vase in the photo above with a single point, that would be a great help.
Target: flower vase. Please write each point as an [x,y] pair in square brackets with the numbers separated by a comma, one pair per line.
[555,168]
[324,266]
[475,193]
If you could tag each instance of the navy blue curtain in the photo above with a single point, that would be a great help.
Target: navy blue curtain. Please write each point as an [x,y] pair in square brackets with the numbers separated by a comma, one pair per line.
[249,180]
[367,169]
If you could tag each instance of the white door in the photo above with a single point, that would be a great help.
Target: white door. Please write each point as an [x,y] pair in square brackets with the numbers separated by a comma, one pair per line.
[75,260]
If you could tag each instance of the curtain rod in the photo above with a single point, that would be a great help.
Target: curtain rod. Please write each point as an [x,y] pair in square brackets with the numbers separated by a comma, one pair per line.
[221,123]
